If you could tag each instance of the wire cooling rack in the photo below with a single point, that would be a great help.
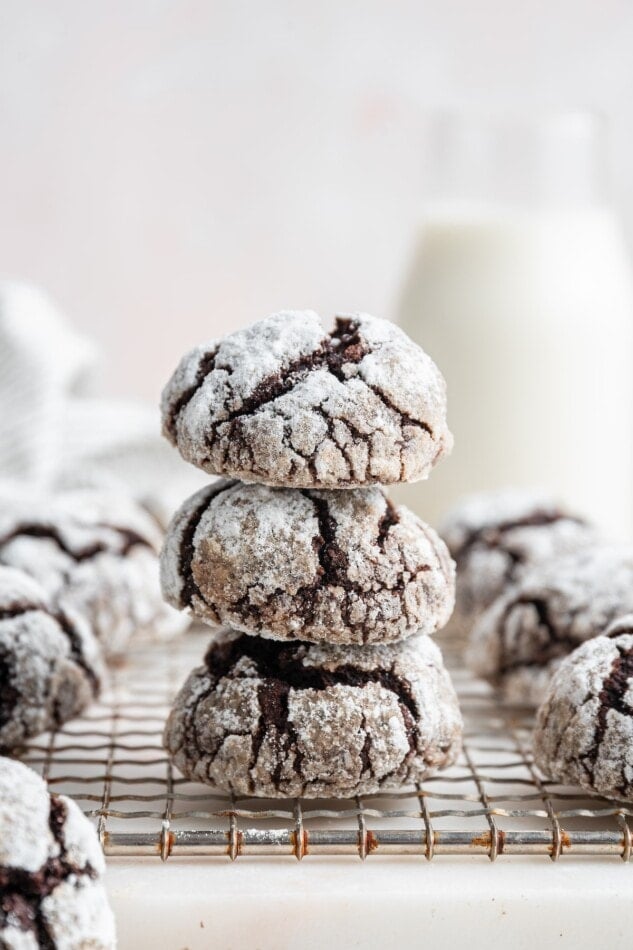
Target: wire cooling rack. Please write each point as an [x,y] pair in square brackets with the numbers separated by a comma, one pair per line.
[492,802]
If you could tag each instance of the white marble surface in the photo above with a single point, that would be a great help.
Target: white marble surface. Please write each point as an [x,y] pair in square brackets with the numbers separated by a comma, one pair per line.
[383,903]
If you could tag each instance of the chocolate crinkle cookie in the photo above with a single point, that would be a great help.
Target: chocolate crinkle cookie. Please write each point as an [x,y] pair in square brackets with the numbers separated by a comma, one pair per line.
[96,554]
[287,404]
[51,865]
[50,663]
[494,536]
[342,567]
[584,732]
[284,719]
[522,638]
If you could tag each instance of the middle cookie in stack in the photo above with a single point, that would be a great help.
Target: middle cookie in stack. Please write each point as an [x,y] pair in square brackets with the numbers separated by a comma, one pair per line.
[271,713]
[324,566]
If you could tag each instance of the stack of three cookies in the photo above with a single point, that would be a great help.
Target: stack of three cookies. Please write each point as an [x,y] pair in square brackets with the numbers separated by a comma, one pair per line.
[323,680]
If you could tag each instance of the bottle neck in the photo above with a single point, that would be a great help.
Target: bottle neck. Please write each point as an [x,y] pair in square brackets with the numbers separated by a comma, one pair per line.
[556,161]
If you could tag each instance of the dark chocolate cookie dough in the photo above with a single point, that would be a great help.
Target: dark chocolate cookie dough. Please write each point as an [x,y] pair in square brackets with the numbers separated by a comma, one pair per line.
[265,718]
[285,403]
[341,567]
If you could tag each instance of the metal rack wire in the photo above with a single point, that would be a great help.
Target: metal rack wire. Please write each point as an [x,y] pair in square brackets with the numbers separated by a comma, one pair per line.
[492,802]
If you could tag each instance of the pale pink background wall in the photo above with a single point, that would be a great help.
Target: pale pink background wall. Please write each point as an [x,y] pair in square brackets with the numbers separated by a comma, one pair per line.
[171,169]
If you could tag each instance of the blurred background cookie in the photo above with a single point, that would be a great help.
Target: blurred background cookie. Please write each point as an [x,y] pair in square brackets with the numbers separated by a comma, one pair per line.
[50,662]
[285,403]
[494,536]
[553,608]
[96,554]
[342,567]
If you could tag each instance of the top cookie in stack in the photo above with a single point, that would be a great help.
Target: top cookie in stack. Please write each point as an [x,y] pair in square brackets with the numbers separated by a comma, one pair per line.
[305,413]
[288,405]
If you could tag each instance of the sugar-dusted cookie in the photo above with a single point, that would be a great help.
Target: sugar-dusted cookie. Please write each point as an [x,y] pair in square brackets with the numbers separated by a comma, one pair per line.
[342,567]
[555,606]
[51,892]
[584,731]
[286,403]
[265,718]
[96,554]
[50,662]
[495,535]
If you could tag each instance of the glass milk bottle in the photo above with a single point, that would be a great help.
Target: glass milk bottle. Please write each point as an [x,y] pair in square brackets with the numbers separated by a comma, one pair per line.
[520,289]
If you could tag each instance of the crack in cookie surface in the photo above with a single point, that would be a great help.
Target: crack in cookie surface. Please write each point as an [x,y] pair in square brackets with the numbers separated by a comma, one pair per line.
[612,696]
[332,559]
[69,630]
[9,695]
[387,521]
[559,643]
[130,539]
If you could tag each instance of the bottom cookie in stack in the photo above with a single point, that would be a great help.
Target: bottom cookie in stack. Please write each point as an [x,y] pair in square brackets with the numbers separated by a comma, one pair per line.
[282,719]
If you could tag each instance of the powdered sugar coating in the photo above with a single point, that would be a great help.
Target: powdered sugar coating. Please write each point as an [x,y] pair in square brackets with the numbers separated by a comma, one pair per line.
[78,907]
[494,536]
[286,404]
[554,607]
[584,731]
[96,555]
[14,938]
[26,840]
[50,663]
[342,567]
[51,866]
[79,841]
[284,719]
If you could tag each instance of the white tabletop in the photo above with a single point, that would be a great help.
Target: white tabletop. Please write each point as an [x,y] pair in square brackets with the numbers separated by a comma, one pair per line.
[384,902]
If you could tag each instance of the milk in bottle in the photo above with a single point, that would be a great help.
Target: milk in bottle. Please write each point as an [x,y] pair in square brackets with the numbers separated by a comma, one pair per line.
[520,289]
